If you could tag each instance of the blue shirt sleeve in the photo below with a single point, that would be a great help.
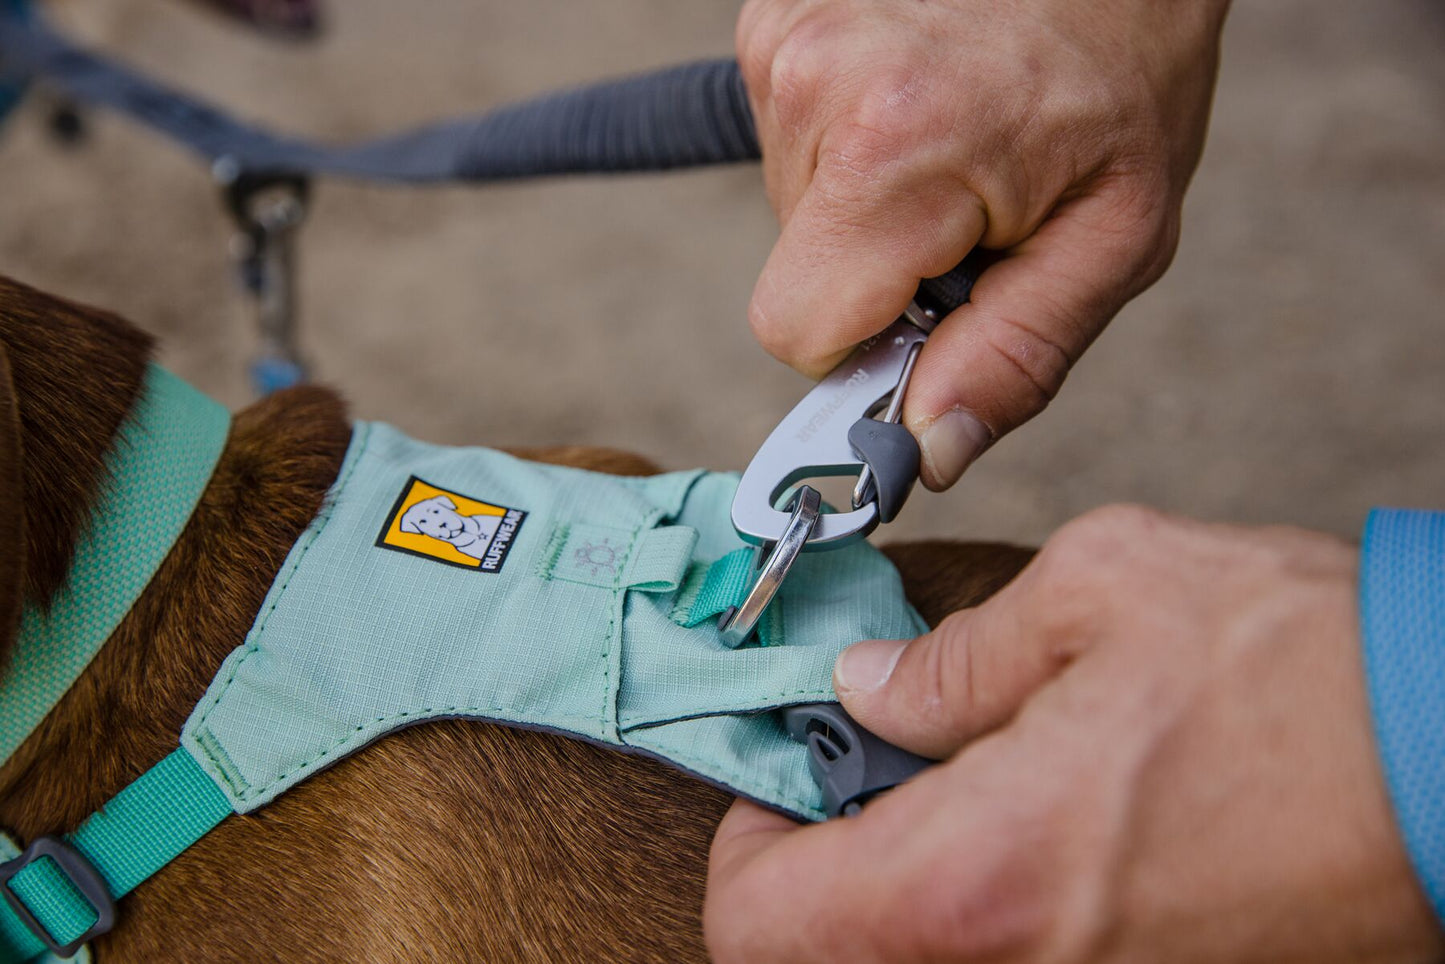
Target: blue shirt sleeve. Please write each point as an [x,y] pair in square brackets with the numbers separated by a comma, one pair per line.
[1402,621]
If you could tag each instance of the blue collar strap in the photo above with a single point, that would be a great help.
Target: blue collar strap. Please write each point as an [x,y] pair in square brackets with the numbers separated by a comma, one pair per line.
[163,457]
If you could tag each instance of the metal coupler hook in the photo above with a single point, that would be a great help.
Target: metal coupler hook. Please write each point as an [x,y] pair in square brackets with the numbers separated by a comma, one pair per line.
[268,209]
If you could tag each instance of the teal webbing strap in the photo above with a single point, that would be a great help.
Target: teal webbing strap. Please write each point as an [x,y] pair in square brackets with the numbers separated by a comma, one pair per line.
[163,458]
[8,851]
[709,591]
[141,829]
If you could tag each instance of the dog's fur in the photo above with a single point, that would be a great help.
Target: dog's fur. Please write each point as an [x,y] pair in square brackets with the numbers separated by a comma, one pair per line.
[448,840]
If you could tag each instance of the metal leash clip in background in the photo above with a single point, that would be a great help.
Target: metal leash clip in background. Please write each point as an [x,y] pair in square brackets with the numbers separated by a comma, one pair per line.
[268,210]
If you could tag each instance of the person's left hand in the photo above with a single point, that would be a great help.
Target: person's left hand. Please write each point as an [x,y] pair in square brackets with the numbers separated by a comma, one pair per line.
[1161,751]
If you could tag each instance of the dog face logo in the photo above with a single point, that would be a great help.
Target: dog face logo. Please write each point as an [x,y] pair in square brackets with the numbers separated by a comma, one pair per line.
[438,517]
[449,527]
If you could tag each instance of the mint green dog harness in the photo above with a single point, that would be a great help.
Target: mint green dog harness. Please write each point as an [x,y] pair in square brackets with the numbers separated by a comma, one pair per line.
[461,582]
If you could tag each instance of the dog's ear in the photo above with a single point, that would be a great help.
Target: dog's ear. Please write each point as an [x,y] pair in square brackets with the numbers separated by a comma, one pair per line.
[446,500]
[409,526]
[12,513]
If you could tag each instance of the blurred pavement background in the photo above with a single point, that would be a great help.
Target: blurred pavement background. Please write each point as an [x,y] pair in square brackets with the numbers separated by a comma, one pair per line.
[1289,368]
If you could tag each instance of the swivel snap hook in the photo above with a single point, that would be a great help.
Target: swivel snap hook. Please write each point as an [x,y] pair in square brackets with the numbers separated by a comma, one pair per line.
[268,210]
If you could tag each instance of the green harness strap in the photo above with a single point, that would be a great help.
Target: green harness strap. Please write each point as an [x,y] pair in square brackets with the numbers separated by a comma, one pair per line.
[163,457]
[710,591]
[175,803]
[139,831]
[162,461]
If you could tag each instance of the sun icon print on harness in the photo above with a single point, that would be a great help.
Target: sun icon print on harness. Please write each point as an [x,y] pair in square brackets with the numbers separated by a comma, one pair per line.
[599,557]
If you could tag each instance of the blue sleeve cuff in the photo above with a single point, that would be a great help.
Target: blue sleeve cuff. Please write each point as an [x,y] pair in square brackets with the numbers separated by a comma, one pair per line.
[1402,620]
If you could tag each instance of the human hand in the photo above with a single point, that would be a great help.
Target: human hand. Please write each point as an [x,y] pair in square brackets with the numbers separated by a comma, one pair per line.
[1161,751]
[897,135]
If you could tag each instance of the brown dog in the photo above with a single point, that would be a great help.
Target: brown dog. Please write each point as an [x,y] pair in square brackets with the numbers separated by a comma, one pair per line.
[450,840]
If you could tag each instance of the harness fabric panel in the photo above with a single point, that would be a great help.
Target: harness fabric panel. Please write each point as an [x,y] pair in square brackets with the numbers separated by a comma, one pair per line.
[447,582]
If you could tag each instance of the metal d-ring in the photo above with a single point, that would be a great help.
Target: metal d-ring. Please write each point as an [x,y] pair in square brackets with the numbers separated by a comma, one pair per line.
[738,623]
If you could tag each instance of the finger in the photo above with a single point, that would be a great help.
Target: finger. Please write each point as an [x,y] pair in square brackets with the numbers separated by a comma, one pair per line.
[850,259]
[883,886]
[745,831]
[966,677]
[764,875]
[761,27]
[764,26]
[997,361]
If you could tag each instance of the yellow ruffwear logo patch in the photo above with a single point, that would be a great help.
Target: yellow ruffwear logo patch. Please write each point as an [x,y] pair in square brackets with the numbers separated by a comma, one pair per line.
[450,527]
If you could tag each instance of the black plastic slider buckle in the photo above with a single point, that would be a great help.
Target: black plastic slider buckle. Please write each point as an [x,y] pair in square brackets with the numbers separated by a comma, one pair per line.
[82,876]
[851,765]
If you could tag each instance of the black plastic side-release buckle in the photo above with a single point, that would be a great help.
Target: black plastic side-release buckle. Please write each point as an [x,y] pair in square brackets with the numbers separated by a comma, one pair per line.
[82,876]
[851,765]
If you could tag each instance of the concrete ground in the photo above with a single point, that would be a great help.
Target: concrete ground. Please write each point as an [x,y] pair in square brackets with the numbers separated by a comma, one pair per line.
[1289,368]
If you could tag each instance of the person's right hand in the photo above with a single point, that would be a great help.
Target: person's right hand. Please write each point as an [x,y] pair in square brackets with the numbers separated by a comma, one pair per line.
[1159,748]
[897,135]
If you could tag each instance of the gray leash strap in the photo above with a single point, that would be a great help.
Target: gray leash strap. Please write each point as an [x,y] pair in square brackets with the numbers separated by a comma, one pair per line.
[687,116]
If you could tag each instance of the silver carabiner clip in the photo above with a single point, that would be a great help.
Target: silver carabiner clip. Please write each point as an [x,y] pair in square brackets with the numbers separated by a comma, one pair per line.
[831,432]
[771,563]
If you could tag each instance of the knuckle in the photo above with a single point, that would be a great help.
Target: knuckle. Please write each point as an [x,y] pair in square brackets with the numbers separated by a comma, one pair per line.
[1103,542]
[798,68]
[885,122]
[1165,242]
[755,61]
[1112,524]
[983,912]
[1144,232]
[775,338]
[1127,518]
[1040,359]
[948,691]
[761,29]
[1149,249]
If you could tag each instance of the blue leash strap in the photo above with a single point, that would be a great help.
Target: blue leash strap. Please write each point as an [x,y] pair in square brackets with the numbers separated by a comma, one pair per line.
[686,116]
[11,90]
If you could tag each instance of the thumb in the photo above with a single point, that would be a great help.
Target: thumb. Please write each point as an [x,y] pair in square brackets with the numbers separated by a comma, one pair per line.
[933,694]
[996,362]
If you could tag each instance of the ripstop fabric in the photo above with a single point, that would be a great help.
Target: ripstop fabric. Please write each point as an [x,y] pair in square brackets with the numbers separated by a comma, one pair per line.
[559,611]
[437,582]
